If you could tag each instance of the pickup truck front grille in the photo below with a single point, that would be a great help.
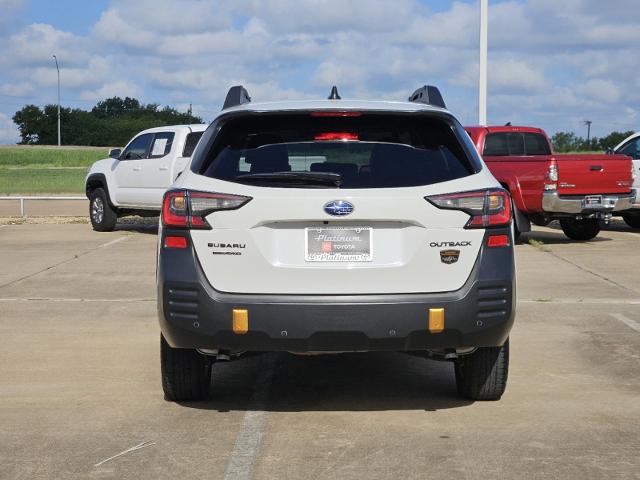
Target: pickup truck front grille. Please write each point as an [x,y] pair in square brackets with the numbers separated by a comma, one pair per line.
[182,304]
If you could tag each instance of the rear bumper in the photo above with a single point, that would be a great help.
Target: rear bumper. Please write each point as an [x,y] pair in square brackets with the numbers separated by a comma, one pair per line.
[553,202]
[194,315]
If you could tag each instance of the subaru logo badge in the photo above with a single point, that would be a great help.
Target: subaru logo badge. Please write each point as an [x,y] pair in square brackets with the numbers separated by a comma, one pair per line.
[338,208]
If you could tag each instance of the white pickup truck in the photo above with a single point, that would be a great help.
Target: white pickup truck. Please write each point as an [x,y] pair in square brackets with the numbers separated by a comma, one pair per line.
[132,181]
[631,146]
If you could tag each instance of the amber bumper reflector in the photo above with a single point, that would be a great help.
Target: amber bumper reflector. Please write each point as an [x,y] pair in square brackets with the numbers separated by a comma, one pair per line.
[436,320]
[240,321]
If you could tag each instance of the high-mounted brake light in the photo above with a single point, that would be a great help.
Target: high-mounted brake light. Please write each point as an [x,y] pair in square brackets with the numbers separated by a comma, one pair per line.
[487,208]
[328,136]
[187,209]
[335,114]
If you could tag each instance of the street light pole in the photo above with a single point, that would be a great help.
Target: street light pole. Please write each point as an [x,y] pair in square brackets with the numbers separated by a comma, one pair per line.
[58,70]
[588,124]
[482,81]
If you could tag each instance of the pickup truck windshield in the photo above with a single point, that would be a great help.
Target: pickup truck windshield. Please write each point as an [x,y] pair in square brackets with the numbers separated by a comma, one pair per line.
[361,150]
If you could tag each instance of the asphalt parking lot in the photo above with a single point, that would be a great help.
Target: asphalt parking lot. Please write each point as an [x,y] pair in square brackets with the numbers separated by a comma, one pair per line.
[80,382]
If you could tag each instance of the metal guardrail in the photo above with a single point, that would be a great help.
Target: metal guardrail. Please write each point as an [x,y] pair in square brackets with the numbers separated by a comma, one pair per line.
[23,210]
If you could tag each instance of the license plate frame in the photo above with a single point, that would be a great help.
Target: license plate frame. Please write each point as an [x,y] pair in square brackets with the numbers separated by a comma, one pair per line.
[592,201]
[338,244]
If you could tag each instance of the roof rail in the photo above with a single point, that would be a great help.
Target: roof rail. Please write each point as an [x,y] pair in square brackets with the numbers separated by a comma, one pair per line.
[237,95]
[428,95]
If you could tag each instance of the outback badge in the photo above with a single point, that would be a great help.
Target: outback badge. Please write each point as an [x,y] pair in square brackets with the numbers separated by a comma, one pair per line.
[449,256]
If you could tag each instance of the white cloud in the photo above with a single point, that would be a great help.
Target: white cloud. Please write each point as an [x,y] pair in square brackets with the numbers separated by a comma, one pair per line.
[112,27]
[17,90]
[118,88]
[452,28]
[515,75]
[330,16]
[38,42]
[93,73]
[605,91]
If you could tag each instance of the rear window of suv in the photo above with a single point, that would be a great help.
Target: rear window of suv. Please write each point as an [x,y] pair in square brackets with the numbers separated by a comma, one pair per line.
[366,150]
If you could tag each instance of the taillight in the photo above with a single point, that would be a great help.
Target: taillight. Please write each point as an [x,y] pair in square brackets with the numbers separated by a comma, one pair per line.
[487,208]
[187,209]
[551,179]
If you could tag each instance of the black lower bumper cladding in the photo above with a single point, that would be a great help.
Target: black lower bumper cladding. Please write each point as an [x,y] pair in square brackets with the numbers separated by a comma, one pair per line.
[192,314]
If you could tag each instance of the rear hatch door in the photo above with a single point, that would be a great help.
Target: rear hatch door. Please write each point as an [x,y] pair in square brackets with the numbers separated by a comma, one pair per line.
[372,233]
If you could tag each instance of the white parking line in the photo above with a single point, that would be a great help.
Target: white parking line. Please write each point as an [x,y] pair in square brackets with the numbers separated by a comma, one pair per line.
[627,321]
[249,439]
[112,242]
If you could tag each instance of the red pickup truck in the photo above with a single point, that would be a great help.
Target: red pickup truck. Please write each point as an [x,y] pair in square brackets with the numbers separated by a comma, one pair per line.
[577,190]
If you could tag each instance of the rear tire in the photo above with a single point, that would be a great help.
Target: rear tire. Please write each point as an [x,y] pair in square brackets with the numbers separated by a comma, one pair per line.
[186,374]
[632,219]
[482,375]
[103,217]
[584,229]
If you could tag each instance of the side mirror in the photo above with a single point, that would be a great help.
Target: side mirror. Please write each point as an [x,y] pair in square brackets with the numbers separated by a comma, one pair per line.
[609,151]
[115,152]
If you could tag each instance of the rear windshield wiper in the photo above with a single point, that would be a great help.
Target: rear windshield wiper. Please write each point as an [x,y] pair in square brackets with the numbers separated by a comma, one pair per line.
[303,178]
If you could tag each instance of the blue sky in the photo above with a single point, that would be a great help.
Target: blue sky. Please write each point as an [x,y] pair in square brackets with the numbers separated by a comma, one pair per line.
[551,64]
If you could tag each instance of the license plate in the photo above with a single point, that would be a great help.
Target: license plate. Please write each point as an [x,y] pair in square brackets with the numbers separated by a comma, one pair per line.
[592,201]
[344,244]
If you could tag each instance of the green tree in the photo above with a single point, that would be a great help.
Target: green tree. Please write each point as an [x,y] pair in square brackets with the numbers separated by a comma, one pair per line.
[111,122]
[566,142]
[29,121]
[613,139]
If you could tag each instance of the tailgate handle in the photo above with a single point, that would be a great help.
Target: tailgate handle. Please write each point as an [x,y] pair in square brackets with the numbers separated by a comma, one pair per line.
[595,168]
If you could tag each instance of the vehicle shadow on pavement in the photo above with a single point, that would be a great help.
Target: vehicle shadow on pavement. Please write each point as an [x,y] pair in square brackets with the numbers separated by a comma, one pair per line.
[559,238]
[144,225]
[620,227]
[341,382]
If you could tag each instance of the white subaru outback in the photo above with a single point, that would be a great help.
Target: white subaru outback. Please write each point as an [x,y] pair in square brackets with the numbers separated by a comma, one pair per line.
[333,226]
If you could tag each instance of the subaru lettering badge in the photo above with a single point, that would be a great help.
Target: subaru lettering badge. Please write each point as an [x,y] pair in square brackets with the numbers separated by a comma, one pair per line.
[338,208]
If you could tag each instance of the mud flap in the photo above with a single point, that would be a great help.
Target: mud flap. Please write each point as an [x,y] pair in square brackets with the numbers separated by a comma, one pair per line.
[523,224]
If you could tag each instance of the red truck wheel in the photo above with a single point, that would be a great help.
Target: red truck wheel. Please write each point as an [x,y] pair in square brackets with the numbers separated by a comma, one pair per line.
[583,229]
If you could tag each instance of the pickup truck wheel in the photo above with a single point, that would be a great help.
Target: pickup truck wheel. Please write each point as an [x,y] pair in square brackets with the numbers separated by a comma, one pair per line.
[633,220]
[584,229]
[186,374]
[482,375]
[103,218]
